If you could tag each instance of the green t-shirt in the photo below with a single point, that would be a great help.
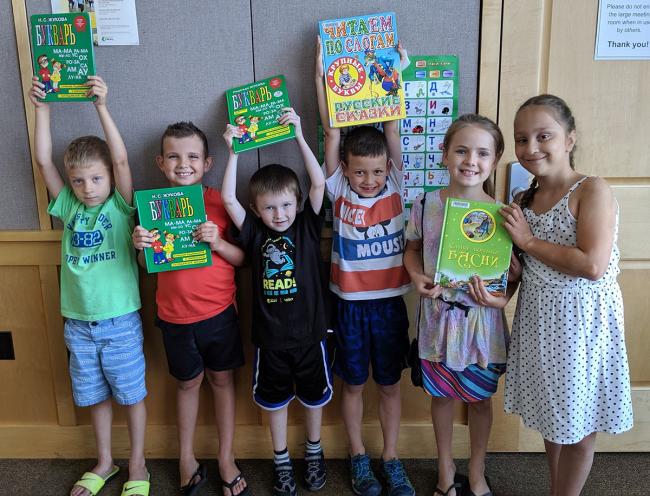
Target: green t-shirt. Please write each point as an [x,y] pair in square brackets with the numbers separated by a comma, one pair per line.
[99,273]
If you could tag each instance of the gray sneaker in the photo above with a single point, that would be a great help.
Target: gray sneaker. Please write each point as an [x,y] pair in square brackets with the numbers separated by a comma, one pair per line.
[283,482]
[364,482]
[315,474]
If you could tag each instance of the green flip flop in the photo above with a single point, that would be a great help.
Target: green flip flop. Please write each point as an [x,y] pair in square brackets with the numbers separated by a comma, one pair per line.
[137,487]
[94,483]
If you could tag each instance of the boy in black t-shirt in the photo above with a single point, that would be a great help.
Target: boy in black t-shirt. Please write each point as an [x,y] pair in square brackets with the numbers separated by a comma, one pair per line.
[289,322]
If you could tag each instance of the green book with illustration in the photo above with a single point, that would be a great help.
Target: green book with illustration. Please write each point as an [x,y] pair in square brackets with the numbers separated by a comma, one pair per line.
[255,108]
[473,242]
[171,215]
[62,55]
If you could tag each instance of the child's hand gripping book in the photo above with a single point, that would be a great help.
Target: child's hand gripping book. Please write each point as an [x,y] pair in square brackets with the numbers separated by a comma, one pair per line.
[254,108]
[171,215]
[62,53]
[473,242]
[362,69]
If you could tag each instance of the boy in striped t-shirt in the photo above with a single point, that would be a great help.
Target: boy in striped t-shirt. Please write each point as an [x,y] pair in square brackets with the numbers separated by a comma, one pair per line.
[369,279]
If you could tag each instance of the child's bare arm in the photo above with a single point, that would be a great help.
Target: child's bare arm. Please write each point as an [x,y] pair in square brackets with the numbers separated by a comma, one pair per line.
[121,170]
[235,210]
[316,177]
[208,232]
[43,140]
[141,239]
[332,134]
[394,141]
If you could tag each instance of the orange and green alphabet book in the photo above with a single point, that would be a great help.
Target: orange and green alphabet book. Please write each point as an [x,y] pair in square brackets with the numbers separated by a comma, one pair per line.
[171,215]
[362,69]
[62,54]
[255,108]
[473,242]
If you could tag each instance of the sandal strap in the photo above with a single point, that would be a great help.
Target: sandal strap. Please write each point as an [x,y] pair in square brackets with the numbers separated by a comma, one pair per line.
[91,482]
[137,487]
[233,483]
[455,485]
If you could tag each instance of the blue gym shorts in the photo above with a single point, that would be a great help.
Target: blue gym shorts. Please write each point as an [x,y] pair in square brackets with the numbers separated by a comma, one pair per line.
[106,359]
[371,332]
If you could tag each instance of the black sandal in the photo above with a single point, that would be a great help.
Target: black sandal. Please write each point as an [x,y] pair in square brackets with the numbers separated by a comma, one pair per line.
[229,485]
[191,487]
[455,485]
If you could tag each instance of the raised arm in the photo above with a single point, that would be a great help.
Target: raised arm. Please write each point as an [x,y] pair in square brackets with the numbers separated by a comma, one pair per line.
[391,128]
[332,134]
[596,218]
[43,140]
[316,177]
[121,170]
[235,210]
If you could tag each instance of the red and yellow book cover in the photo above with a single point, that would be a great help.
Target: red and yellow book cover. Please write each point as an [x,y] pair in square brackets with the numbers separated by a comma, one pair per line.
[362,69]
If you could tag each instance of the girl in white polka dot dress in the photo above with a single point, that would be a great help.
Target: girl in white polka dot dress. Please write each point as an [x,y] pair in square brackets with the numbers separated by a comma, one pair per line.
[568,374]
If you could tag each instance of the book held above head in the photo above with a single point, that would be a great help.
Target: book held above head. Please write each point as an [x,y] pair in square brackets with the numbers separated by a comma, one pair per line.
[362,69]
[62,55]
[473,242]
[255,109]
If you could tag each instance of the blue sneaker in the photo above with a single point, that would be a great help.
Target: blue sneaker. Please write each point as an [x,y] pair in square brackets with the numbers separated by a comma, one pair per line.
[283,483]
[364,482]
[315,473]
[398,482]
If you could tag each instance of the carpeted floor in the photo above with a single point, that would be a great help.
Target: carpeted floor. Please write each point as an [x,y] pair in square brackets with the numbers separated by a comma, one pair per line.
[511,475]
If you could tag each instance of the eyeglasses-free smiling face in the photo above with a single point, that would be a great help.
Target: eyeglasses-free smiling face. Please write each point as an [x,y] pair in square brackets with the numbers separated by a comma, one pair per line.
[183,161]
[470,157]
[542,144]
[91,185]
[277,210]
[366,175]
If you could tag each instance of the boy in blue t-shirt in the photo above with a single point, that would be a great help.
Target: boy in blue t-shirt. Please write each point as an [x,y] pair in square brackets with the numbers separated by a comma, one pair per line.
[99,283]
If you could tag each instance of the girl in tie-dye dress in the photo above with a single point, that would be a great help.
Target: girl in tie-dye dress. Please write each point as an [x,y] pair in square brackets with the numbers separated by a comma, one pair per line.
[463,337]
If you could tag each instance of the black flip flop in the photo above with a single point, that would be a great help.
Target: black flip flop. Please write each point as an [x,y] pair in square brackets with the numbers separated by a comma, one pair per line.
[229,485]
[190,489]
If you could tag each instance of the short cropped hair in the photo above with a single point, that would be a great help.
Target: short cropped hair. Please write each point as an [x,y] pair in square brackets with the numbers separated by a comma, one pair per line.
[82,150]
[184,129]
[276,179]
[365,141]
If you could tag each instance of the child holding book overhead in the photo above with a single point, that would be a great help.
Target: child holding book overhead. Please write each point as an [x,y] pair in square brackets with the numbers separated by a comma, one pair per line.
[463,336]
[568,375]
[371,327]
[289,319]
[197,314]
[100,298]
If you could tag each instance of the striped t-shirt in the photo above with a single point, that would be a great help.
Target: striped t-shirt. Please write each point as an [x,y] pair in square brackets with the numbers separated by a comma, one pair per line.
[368,240]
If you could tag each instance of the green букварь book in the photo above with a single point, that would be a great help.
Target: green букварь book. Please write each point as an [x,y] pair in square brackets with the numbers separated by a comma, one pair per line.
[172,214]
[62,55]
[473,242]
[254,108]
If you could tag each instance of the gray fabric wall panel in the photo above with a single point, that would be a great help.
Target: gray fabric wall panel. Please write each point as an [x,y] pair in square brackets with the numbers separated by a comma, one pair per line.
[426,27]
[186,60]
[17,199]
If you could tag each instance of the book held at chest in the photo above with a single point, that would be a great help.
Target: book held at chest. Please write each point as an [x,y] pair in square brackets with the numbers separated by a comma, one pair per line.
[171,215]
[362,69]
[62,55]
[473,242]
[255,108]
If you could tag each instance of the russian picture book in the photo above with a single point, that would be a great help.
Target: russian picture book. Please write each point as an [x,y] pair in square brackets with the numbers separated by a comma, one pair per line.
[171,215]
[473,242]
[362,69]
[62,55]
[254,108]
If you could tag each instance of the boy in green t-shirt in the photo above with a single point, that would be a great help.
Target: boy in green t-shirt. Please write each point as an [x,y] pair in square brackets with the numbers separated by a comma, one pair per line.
[99,283]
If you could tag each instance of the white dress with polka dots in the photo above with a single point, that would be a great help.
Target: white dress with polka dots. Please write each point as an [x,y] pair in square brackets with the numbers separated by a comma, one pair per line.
[567,373]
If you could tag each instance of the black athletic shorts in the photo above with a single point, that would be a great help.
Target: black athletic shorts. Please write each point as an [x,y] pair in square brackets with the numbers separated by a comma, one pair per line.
[213,343]
[281,375]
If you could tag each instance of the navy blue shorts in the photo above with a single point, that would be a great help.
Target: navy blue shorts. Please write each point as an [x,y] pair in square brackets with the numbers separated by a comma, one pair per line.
[371,332]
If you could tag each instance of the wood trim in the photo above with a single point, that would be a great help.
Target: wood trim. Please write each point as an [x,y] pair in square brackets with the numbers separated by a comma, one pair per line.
[65,408]
[30,236]
[47,441]
[489,58]
[26,73]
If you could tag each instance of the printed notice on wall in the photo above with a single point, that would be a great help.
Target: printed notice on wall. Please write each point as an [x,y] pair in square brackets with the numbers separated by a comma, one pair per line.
[623,30]
[117,23]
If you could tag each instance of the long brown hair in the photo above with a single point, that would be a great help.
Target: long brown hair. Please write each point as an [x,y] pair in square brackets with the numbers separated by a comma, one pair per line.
[563,115]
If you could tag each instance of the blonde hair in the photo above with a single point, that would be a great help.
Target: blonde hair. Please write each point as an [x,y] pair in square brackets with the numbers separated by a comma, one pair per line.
[81,151]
